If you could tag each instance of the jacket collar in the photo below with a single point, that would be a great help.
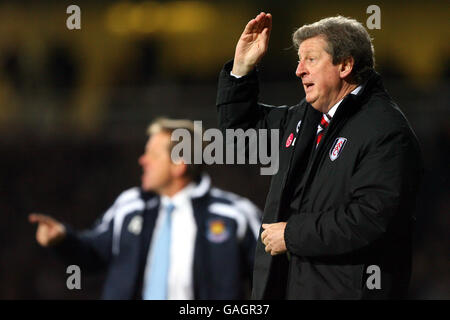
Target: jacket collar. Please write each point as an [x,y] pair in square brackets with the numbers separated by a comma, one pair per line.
[372,83]
[351,102]
[202,187]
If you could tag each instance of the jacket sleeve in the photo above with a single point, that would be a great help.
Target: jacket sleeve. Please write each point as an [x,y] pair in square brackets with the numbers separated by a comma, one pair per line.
[238,107]
[383,183]
[90,249]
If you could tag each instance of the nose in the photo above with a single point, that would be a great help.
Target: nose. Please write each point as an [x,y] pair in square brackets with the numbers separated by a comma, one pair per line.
[141,160]
[301,70]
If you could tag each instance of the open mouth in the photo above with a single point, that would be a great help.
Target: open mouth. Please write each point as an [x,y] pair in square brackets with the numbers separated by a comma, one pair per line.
[308,85]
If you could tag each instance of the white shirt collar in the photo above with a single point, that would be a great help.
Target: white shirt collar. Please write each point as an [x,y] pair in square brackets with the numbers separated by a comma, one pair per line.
[180,198]
[334,108]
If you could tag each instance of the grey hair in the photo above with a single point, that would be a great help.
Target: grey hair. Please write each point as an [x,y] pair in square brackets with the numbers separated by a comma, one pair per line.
[346,38]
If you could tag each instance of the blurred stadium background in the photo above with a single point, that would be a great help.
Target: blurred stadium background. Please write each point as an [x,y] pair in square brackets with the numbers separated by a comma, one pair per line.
[74,106]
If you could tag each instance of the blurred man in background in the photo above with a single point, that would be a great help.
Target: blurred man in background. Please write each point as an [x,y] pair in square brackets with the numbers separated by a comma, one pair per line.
[338,217]
[175,237]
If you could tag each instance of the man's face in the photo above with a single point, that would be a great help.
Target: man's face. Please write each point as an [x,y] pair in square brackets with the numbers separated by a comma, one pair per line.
[320,78]
[156,163]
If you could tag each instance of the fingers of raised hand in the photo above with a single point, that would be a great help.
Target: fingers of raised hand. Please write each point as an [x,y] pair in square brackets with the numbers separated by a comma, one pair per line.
[258,24]
[261,20]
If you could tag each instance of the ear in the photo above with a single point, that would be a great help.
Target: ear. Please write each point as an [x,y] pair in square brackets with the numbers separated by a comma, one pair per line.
[346,67]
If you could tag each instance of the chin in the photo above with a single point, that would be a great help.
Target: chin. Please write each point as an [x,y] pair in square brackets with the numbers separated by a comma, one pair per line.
[314,104]
[146,187]
[310,100]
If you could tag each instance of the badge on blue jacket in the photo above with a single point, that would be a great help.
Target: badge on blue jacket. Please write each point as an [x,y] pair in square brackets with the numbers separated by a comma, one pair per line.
[217,230]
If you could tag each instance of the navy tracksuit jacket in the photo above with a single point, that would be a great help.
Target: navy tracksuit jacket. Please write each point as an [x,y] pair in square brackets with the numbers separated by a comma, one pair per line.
[119,242]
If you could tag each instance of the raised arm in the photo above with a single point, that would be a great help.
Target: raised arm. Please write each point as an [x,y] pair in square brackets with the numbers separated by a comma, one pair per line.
[252,44]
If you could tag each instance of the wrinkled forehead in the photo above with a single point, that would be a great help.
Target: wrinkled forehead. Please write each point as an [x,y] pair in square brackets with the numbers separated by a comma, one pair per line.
[315,44]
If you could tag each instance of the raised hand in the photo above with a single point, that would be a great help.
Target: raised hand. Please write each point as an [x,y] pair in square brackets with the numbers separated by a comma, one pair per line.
[49,231]
[252,44]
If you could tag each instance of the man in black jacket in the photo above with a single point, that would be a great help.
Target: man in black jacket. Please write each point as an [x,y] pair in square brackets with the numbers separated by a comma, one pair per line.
[338,217]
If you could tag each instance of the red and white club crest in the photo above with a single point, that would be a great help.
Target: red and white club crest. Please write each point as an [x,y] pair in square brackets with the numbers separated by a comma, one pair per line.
[337,147]
[289,140]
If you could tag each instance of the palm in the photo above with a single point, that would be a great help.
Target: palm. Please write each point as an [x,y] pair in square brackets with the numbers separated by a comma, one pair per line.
[252,44]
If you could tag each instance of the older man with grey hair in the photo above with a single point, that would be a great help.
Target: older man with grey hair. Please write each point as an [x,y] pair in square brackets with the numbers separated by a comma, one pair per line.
[338,216]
